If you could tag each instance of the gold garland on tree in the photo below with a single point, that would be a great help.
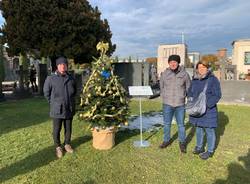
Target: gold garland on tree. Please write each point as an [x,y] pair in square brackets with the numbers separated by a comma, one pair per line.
[103,99]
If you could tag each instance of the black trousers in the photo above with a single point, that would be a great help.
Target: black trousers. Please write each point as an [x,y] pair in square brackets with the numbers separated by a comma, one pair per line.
[57,126]
[34,86]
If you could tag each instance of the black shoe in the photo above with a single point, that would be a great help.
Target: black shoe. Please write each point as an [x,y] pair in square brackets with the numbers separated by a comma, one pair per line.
[164,144]
[197,150]
[183,147]
[206,155]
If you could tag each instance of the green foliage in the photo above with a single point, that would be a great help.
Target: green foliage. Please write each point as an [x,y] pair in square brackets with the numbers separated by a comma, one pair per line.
[209,59]
[54,27]
[28,155]
[44,60]
[103,99]
[213,66]
[23,60]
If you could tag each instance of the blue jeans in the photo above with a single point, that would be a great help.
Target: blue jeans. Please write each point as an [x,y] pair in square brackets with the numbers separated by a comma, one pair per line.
[179,113]
[210,133]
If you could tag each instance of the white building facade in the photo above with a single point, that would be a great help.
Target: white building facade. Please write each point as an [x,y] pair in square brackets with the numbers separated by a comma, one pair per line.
[194,57]
[164,51]
[241,56]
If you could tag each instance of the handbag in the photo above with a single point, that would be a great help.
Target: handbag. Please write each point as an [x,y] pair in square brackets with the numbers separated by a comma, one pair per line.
[197,106]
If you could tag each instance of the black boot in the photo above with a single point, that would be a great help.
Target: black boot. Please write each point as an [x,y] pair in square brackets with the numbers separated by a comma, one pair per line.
[206,155]
[183,147]
[197,150]
[165,144]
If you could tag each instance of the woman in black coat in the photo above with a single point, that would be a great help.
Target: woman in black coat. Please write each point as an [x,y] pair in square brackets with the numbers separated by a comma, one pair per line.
[208,121]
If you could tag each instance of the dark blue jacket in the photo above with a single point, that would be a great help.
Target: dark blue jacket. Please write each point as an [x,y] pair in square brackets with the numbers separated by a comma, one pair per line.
[60,92]
[213,95]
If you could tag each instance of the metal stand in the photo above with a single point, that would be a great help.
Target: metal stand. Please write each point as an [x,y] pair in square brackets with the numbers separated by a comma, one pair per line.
[141,143]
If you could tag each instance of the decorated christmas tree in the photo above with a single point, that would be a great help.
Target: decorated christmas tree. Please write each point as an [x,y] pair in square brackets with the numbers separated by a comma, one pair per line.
[103,99]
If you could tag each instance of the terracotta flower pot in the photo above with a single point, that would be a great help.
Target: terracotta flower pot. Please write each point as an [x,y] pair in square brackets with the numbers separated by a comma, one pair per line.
[103,139]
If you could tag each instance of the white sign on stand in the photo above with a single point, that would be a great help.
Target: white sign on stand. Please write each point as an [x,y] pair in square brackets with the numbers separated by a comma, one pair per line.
[140,91]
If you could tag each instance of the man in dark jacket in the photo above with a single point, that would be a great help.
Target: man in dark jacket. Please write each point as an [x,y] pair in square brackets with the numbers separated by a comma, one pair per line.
[60,89]
[174,84]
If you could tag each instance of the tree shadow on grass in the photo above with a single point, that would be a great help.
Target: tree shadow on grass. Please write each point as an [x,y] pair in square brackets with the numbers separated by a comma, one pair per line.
[124,135]
[89,182]
[22,114]
[238,174]
[191,133]
[149,113]
[151,135]
[222,122]
[189,136]
[32,162]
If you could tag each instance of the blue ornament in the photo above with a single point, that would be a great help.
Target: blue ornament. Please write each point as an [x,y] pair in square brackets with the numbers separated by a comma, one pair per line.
[105,74]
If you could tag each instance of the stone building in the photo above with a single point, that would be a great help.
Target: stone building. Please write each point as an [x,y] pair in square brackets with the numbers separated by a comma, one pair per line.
[194,57]
[241,56]
[164,51]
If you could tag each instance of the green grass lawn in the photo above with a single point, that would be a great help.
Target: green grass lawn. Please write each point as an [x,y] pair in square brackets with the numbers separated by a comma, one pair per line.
[27,154]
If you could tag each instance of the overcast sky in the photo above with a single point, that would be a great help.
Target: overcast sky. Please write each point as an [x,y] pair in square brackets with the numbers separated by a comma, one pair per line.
[139,26]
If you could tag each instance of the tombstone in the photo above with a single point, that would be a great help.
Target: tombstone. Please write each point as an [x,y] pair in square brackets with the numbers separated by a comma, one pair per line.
[22,91]
[129,73]
[230,75]
[153,74]
[222,67]
[80,79]
[79,82]
[20,73]
[2,98]
[15,63]
[8,71]
[146,74]
[42,74]
[227,71]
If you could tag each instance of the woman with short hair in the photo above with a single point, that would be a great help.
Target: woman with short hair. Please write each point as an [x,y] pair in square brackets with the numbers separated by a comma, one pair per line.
[209,120]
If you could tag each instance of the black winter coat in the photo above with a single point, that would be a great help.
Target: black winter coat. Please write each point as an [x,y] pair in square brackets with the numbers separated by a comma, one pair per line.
[60,92]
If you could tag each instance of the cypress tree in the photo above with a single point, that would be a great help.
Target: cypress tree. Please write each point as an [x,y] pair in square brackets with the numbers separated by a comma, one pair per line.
[55,27]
